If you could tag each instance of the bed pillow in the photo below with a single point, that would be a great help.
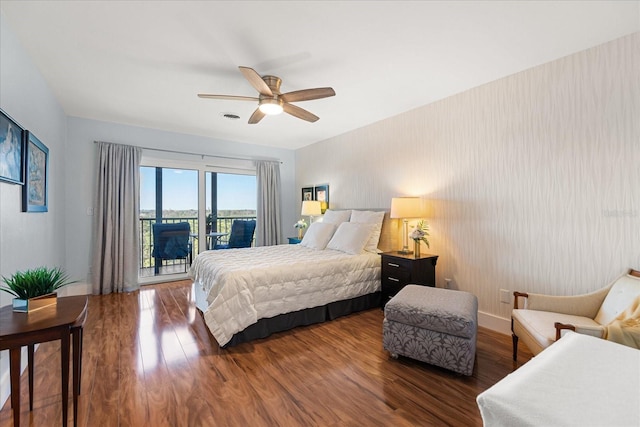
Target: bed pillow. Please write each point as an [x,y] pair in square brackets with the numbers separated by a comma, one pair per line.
[350,237]
[318,235]
[336,217]
[374,218]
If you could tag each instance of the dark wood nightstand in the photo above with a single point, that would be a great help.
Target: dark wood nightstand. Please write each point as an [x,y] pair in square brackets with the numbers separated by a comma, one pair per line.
[294,240]
[399,270]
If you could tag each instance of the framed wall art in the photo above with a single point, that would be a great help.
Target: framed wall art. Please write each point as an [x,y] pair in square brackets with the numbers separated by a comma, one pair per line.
[11,150]
[321,194]
[36,165]
[307,193]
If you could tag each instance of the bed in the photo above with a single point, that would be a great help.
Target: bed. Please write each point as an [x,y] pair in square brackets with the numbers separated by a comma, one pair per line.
[250,293]
[580,380]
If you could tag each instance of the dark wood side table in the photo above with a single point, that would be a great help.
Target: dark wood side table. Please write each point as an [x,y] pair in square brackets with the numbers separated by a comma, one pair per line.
[399,270]
[46,324]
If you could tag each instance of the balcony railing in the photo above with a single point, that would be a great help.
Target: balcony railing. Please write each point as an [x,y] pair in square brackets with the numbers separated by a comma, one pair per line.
[147,262]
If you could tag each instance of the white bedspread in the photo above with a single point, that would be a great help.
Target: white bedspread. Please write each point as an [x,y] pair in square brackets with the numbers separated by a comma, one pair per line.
[578,381]
[245,285]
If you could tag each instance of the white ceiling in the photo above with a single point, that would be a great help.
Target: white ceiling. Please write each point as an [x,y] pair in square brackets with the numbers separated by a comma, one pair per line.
[143,62]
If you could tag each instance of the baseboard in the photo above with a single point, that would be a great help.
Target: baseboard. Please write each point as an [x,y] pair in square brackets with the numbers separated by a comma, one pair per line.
[495,323]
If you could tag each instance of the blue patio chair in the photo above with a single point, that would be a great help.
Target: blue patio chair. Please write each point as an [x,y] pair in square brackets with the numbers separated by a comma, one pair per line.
[171,241]
[241,234]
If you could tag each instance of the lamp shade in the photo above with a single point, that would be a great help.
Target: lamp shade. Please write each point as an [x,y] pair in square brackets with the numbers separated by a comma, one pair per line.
[406,207]
[311,208]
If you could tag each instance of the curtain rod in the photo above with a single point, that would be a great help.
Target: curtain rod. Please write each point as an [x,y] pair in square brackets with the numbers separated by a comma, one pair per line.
[217,156]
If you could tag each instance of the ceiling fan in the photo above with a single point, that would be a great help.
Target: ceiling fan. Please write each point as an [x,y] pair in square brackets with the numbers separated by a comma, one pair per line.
[271,101]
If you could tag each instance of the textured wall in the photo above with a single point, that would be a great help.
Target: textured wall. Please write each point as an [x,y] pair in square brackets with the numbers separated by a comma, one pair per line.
[533,180]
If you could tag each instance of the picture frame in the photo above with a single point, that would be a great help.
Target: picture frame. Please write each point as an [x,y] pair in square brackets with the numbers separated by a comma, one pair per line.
[36,166]
[11,150]
[307,193]
[321,194]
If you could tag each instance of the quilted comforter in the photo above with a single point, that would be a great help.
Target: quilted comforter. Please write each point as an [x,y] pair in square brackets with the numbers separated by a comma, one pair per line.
[245,285]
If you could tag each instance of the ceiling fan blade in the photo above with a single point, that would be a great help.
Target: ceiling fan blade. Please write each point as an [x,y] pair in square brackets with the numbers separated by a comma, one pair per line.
[230,97]
[299,112]
[307,94]
[256,81]
[256,116]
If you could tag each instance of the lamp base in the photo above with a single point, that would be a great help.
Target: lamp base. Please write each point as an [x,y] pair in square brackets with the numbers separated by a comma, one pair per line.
[407,252]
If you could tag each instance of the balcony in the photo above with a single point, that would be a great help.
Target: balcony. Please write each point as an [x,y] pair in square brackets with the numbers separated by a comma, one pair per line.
[178,266]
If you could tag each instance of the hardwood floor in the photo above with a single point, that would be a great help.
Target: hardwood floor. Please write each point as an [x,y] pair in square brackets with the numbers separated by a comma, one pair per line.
[149,360]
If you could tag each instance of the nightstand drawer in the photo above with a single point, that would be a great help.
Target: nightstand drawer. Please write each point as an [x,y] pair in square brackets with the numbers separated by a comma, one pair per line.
[396,270]
[399,270]
[396,274]
[396,263]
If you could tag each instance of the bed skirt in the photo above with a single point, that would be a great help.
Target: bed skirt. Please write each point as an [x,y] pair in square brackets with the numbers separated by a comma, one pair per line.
[283,322]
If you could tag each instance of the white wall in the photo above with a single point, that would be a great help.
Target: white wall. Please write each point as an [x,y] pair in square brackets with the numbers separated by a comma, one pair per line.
[82,161]
[534,179]
[29,240]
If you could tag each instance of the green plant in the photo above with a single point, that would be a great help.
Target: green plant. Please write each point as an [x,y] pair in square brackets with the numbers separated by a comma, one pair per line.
[36,282]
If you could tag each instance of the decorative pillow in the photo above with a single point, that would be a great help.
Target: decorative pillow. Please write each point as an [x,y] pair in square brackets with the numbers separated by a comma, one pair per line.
[336,217]
[350,237]
[318,235]
[374,218]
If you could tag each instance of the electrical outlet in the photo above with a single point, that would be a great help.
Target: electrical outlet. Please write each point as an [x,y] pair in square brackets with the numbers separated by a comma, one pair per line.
[505,296]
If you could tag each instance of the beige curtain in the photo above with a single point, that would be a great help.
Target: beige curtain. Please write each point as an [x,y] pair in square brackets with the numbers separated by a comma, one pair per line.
[115,229]
[268,209]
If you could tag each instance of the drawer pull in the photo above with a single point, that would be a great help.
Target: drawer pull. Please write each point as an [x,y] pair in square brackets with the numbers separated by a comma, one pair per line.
[392,264]
[393,279]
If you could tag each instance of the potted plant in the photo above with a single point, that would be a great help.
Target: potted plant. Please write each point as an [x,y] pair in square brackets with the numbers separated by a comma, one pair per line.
[419,234]
[36,288]
[300,225]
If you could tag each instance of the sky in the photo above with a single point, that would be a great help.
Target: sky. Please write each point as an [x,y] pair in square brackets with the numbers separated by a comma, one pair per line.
[180,188]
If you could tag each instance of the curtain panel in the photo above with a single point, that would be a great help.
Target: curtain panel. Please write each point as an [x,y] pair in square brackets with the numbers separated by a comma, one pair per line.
[116,233]
[268,207]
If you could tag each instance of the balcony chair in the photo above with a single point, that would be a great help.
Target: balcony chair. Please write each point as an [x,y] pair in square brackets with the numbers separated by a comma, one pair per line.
[171,241]
[241,234]
[612,313]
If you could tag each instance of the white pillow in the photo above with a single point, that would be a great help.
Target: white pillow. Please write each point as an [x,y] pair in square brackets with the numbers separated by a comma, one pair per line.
[318,235]
[374,218]
[350,237]
[336,217]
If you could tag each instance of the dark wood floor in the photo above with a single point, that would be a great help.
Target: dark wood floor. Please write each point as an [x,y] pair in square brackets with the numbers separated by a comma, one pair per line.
[150,361]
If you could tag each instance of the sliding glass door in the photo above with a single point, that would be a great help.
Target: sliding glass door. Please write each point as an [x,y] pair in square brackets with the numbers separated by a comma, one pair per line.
[167,196]
[228,197]
[170,195]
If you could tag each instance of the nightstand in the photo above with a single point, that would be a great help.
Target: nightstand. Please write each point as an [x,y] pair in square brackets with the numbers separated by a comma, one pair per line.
[294,240]
[399,270]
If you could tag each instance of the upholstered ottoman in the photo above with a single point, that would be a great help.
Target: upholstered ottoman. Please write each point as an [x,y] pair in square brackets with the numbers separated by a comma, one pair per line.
[433,325]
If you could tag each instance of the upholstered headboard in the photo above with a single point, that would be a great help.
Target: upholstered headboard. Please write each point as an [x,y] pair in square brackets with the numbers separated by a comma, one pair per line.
[389,240]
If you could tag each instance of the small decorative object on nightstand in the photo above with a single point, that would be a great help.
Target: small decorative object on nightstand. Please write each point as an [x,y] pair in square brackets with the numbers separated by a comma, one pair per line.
[399,270]
[300,225]
[294,240]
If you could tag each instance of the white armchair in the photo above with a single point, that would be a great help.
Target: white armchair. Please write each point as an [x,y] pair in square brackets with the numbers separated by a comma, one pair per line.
[540,321]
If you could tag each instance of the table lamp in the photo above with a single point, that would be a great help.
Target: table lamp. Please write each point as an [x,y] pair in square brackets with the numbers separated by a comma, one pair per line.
[311,208]
[405,208]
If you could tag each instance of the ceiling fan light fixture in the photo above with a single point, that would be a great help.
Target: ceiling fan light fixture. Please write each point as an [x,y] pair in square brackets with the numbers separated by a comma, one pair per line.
[271,106]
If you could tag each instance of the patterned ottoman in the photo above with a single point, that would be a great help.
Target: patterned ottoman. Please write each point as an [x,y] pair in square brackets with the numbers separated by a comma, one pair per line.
[437,326]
